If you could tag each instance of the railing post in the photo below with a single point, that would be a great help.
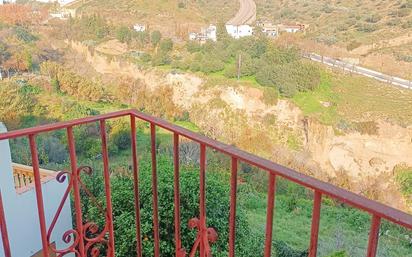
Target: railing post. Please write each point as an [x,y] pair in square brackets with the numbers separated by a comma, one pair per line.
[313,249]
[374,236]
[178,242]
[270,211]
[139,247]
[39,194]
[154,188]
[202,198]
[232,218]
[3,230]
[76,190]
[106,173]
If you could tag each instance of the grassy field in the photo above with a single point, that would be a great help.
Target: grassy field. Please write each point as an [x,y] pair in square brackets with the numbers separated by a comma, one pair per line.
[340,93]
[342,229]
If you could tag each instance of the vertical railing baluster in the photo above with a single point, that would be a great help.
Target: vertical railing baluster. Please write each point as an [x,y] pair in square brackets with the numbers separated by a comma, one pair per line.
[202,200]
[39,194]
[154,188]
[232,218]
[313,248]
[76,190]
[3,230]
[269,215]
[177,194]
[136,187]
[106,173]
[374,236]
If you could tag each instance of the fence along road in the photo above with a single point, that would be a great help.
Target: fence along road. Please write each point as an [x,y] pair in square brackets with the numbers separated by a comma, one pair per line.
[360,70]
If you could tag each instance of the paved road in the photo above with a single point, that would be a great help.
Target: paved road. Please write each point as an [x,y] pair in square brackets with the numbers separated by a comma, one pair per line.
[246,13]
[360,70]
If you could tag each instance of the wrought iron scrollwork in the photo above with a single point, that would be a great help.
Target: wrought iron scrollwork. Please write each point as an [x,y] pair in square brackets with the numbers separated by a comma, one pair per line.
[93,237]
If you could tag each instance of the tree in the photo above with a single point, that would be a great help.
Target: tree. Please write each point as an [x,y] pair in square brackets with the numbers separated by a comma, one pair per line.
[124,34]
[247,65]
[155,37]
[166,45]
[217,202]
[15,103]
[23,35]
[4,54]
[143,37]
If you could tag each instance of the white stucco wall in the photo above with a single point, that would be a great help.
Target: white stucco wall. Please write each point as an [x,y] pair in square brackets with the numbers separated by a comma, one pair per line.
[238,31]
[21,210]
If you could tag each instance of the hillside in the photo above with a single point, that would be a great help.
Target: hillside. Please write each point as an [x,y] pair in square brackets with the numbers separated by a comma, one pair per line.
[165,16]
[377,33]
[343,21]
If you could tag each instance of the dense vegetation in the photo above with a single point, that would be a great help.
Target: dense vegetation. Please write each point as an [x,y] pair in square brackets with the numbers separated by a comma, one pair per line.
[253,58]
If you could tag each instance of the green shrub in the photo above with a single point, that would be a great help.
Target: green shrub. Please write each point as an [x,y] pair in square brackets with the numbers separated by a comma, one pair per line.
[23,35]
[124,34]
[363,27]
[407,24]
[217,198]
[119,136]
[193,47]
[209,65]
[231,71]
[145,57]
[404,179]
[155,37]
[161,58]
[403,12]
[374,18]
[166,45]
[353,45]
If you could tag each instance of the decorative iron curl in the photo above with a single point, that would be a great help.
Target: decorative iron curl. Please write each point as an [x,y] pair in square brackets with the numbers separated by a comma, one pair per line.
[71,236]
[62,176]
[85,169]
[90,234]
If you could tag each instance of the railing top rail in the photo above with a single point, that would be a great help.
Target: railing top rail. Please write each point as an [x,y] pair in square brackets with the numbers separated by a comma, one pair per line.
[62,125]
[343,195]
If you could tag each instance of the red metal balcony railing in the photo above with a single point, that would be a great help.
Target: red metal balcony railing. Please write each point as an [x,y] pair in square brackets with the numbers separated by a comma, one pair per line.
[81,244]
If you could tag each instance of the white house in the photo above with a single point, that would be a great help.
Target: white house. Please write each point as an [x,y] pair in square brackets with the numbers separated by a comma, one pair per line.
[238,31]
[61,2]
[209,33]
[64,13]
[292,28]
[193,36]
[139,27]
[270,30]
[20,206]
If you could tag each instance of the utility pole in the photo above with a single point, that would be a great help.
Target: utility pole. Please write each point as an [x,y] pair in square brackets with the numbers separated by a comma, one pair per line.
[239,66]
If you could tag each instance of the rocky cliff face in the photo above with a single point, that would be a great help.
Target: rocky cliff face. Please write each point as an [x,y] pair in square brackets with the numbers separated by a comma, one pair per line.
[357,155]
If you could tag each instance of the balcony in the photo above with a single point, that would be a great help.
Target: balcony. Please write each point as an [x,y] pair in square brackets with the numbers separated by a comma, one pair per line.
[24,177]
[81,240]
